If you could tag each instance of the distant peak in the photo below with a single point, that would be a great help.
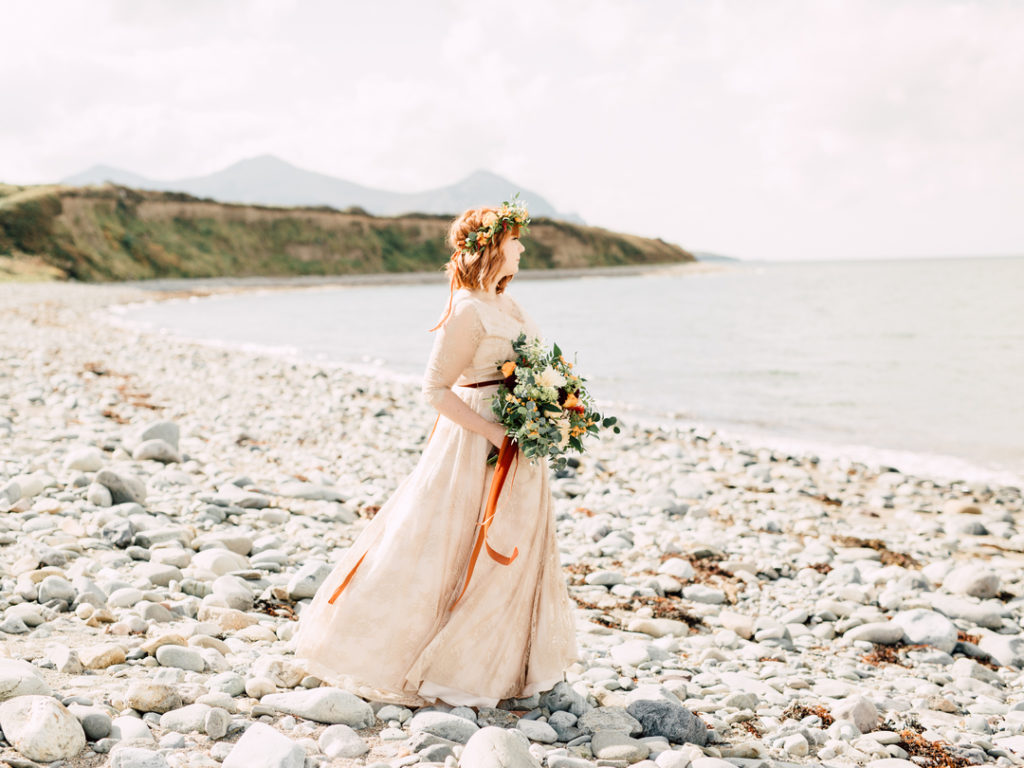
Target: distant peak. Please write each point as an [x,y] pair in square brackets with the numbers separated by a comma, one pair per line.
[481,174]
[263,160]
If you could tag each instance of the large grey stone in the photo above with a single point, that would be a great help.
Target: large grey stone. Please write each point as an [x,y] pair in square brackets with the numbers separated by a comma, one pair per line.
[537,730]
[56,588]
[609,719]
[156,450]
[494,747]
[164,430]
[862,712]
[95,722]
[442,724]
[131,729]
[159,574]
[180,657]
[84,459]
[323,705]
[263,747]
[563,697]
[1008,650]
[658,717]
[564,725]
[122,486]
[41,728]
[217,722]
[341,741]
[615,745]
[880,632]
[925,627]
[973,580]
[234,592]
[219,561]
[19,678]
[187,719]
[308,579]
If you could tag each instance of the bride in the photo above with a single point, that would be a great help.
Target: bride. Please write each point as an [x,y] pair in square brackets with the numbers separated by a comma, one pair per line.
[416,611]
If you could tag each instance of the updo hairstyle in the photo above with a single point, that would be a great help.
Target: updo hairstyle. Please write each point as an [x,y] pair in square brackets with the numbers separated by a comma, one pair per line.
[479,268]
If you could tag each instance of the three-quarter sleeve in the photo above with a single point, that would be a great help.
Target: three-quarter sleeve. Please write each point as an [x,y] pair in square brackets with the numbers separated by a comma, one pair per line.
[454,346]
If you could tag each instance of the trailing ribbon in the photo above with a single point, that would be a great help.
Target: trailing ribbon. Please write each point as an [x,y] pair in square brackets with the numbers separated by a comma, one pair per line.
[346,581]
[506,455]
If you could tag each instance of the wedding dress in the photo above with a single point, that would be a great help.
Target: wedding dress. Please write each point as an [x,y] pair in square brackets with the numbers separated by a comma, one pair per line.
[404,625]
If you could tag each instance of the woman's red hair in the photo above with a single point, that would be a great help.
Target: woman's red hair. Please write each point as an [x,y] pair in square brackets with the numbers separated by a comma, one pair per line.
[479,269]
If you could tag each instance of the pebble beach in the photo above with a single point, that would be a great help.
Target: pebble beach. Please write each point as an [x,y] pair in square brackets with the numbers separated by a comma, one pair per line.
[167,508]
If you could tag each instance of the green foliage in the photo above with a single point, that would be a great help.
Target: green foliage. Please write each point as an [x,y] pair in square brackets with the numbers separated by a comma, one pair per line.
[28,226]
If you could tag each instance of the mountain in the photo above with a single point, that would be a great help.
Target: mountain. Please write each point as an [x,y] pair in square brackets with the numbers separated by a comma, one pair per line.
[269,180]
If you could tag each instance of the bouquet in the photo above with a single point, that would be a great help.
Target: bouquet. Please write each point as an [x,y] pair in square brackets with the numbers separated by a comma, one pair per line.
[542,403]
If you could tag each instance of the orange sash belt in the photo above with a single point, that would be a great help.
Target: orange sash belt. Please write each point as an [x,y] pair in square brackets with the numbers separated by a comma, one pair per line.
[506,454]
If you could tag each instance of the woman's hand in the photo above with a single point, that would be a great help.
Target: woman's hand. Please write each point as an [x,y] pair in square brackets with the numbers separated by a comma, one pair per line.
[495,434]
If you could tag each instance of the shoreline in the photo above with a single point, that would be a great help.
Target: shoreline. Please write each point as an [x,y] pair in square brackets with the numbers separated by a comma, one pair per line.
[762,594]
[402,278]
[945,468]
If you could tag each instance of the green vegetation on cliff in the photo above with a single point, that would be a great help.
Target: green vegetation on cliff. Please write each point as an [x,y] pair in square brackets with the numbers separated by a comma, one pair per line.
[116,233]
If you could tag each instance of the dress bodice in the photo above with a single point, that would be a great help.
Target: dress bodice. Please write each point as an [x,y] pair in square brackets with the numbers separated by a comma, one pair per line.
[474,340]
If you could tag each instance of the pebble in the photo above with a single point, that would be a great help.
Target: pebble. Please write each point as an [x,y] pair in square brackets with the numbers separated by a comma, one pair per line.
[858,710]
[493,747]
[101,656]
[927,628]
[444,725]
[615,745]
[342,741]
[41,728]
[972,580]
[95,722]
[669,720]
[263,747]
[188,719]
[180,657]
[609,719]
[19,678]
[536,730]
[323,705]
[126,728]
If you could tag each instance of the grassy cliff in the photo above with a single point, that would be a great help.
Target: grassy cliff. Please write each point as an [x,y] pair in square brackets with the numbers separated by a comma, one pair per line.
[116,233]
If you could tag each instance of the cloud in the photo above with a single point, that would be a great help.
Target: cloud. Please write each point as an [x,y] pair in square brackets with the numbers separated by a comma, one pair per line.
[775,129]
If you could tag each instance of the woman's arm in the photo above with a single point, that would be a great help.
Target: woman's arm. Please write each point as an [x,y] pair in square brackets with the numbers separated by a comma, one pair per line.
[454,346]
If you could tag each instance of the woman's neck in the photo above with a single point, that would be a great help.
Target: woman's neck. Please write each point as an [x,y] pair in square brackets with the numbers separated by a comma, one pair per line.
[491,294]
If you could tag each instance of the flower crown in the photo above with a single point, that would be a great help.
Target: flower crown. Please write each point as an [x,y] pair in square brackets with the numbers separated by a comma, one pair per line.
[511,214]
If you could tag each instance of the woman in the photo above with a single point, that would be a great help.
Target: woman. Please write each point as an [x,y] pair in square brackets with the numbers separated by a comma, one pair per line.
[416,611]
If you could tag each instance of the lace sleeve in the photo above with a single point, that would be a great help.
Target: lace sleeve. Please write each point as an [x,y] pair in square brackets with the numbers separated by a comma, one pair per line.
[454,346]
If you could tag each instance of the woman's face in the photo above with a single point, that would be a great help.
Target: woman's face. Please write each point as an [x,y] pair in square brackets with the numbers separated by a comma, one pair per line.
[510,251]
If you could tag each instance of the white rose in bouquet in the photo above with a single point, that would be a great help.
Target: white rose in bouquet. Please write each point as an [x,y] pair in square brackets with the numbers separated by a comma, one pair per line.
[549,377]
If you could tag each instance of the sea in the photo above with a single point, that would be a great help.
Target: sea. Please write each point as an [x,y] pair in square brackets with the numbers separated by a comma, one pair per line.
[915,364]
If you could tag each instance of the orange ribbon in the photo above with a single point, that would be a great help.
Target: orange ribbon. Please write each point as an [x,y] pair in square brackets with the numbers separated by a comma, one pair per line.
[506,454]
[346,581]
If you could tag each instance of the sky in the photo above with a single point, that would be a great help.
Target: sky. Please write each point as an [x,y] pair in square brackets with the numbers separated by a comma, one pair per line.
[764,129]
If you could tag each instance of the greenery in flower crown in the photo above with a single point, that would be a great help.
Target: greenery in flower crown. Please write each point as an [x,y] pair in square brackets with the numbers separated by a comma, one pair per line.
[511,214]
[542,403]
